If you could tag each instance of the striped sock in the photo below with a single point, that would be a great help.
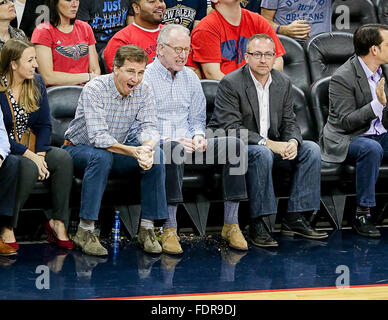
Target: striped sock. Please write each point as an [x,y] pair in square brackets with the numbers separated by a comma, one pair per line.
[231,212]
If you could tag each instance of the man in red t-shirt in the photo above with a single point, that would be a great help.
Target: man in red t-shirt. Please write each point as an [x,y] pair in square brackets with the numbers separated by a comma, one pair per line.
[220,38]
[142,32]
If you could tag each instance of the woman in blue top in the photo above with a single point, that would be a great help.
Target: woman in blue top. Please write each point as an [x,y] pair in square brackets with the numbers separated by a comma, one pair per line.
[24,104]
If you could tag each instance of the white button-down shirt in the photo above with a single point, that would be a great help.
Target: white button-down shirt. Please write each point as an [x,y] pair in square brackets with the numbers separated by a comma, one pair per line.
[263,98]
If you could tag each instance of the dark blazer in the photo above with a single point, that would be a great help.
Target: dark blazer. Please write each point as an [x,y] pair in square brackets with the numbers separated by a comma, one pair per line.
[350,111]
[29,16]
[237,107]
[39,121]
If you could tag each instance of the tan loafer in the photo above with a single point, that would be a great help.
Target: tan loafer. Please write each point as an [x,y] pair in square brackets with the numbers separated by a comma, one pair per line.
[233,235]
[170,242]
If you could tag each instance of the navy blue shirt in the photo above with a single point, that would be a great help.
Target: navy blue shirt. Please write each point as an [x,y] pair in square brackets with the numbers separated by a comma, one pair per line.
[105,18]
[184,12]
[251,5]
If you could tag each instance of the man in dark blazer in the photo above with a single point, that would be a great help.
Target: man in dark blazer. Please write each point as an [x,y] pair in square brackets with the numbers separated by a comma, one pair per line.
[256,102]
[355,131]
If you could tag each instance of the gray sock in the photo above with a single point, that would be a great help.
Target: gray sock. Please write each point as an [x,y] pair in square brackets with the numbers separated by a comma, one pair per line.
[231,212]
[171,220]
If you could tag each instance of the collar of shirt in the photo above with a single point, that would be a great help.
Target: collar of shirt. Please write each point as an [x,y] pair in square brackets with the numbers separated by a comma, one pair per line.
[166,74]
[115,92]
[258,84]
[148,30]
[375,77]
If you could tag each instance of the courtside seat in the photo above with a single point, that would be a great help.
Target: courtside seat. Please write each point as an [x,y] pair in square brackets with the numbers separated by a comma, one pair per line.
[295,64]
[382,11]
[327,51]
[101,62]
[348,15]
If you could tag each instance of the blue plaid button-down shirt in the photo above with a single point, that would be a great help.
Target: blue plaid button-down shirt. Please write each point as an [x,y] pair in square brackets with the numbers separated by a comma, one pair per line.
[180,101]
[104,117]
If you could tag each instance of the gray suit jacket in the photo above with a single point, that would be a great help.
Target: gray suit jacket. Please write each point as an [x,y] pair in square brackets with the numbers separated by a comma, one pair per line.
[237,107]
[350,111]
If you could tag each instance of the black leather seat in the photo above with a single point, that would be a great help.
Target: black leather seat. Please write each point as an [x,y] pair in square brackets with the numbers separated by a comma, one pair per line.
[295,64]
[333,196]
[382,11]
[61,101]
[348,15]
[320,110]
[101,62]
[327,51]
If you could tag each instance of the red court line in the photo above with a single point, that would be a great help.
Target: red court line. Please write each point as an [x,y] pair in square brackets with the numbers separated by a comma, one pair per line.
[238,292]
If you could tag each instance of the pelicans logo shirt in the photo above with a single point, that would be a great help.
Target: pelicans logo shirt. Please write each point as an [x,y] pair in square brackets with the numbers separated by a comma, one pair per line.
[70,51]
[184,12]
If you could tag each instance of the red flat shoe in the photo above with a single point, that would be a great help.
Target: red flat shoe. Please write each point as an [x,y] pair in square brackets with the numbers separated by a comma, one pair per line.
[52,238]
[14,245]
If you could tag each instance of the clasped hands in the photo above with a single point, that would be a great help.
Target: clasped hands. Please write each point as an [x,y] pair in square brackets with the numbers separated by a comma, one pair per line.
[198,143]
[144,156]
[287,150]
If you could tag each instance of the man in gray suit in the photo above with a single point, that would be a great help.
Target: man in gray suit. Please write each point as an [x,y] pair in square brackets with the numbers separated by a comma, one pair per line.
[258,99]
[355,131]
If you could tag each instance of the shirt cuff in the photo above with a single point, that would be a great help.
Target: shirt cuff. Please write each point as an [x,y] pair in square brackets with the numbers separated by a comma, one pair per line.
[199,133]
[377,107]
[297,143]
[262,142]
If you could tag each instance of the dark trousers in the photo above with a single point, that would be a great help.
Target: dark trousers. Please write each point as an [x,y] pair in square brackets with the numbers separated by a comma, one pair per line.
[8,180]
[366,153]
[218,152]
[60,181]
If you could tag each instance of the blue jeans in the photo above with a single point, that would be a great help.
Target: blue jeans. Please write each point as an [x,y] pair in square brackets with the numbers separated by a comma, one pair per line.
[306,179]
[366,153]
[99,164]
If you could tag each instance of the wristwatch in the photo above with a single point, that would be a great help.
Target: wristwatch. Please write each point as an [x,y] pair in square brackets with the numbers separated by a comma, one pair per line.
[262,142]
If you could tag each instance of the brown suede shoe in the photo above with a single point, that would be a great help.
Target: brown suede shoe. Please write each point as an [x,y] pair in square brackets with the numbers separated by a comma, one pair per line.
[6,250]
[232,234]
[170,241]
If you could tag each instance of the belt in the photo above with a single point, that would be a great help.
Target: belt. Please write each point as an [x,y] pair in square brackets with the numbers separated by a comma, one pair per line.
[67,143]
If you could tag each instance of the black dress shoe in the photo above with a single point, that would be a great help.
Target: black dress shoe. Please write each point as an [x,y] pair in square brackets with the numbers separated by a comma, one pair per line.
[301,227]
[259,235]
[364,227]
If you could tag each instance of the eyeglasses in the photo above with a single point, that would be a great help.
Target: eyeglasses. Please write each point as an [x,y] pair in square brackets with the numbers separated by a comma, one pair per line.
[259,55]
[178,50]
[5,2]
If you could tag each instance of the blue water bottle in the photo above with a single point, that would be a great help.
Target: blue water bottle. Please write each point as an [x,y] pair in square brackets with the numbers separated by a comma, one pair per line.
[116,227]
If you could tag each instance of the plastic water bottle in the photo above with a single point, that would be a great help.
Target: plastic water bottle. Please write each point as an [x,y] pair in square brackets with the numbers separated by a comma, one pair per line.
[116,227]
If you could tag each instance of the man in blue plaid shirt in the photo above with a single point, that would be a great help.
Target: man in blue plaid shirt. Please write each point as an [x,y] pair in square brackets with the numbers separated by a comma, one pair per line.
[107,109]
[181,111]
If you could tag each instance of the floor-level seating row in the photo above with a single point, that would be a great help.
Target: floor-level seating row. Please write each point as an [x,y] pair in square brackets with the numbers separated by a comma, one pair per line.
[201,186]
